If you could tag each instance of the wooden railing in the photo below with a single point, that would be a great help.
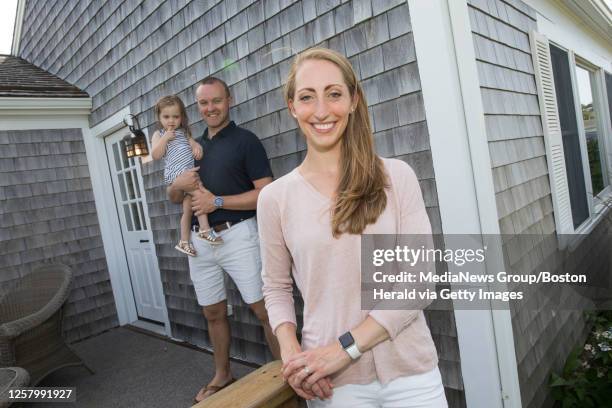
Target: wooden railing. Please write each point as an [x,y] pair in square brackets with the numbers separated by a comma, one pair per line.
[263,388]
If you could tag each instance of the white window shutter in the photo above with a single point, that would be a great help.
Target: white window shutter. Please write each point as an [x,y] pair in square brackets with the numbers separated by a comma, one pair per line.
[540,52]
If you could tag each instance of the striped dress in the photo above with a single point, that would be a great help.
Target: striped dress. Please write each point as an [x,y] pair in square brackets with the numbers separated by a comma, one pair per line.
[178,157]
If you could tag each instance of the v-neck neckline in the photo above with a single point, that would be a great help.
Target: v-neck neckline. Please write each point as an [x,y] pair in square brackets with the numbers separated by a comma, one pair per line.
[311,187]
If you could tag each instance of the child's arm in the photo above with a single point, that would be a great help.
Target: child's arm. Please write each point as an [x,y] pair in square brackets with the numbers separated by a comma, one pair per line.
[196,148]
[159,144]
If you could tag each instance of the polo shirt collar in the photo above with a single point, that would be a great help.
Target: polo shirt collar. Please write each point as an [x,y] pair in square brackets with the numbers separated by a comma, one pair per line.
[230,126]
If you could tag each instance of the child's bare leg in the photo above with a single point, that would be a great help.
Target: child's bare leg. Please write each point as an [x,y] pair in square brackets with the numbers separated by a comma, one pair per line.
[184,245]
[203,220]
[186,219]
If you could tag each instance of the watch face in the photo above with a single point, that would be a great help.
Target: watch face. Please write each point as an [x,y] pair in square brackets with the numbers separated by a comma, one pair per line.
[346,340]
[218,202]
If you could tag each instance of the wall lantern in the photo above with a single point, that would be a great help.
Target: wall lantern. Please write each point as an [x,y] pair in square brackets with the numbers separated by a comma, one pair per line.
[136,142]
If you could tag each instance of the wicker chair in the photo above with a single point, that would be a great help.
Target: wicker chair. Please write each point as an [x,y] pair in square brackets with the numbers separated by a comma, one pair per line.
[12,377]
[31,323]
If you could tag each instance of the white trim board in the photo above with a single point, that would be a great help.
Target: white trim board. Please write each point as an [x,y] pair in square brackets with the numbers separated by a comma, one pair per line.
[485,194]
[17,27]
[460,154]
[18,106]
[561,26]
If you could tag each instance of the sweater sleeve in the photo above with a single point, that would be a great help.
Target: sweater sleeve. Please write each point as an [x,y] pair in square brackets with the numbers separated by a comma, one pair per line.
[414,222]
[276,262]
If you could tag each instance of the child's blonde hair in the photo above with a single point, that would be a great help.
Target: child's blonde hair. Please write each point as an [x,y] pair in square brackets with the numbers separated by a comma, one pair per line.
[171,100]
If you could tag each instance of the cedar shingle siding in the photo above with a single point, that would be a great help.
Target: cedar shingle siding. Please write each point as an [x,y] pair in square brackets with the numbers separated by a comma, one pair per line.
[543,338]
[47,213]
[131,53]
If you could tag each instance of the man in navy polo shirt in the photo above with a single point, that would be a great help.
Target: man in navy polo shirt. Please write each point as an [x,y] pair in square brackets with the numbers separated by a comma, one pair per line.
[233,170]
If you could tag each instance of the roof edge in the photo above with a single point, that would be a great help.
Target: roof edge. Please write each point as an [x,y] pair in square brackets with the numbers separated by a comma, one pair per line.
[595,13]
[17,27]
[19,106]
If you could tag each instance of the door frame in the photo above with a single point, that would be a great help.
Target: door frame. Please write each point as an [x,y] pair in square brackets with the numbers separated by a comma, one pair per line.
[109,220]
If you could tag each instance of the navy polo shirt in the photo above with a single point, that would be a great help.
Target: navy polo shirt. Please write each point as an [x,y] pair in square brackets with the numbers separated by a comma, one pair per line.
[232,159]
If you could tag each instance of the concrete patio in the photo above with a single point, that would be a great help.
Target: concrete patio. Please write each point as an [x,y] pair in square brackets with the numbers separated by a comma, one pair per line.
[134,369]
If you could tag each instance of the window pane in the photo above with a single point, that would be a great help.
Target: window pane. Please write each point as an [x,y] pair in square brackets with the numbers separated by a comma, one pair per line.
[123,155]
[130,184]
[117,158]
[142,216]
[128,217]
[121,181]
[569,132]
[136,217]
[136,183]
[589,119]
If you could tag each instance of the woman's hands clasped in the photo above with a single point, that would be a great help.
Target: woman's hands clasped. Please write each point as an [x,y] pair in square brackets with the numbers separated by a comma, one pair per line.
[307,372]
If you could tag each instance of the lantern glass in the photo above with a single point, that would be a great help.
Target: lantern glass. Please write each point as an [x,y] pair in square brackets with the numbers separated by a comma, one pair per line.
[135,143]
[129,146]
[140,148]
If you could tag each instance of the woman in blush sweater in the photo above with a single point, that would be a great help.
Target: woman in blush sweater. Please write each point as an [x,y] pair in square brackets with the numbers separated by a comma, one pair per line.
[310,225]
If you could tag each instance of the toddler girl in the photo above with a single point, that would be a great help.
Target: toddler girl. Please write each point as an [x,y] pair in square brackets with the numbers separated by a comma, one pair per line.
[173,143]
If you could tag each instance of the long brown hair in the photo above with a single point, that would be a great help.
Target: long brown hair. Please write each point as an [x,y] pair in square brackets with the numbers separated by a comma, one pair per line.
[172,100]
[361,196]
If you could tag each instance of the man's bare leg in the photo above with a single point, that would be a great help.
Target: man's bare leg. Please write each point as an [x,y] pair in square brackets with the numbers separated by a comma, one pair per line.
[219,331]
[260,311]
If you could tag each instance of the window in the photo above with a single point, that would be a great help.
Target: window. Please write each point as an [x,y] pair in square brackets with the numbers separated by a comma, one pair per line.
[584,83]
[571,106]
[569,131]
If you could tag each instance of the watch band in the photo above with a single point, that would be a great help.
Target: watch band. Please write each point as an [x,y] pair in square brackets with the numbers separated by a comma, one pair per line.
[348,344]
[353,351]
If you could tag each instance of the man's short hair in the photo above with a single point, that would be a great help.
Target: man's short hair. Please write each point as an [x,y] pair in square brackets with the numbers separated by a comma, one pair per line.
[209,80]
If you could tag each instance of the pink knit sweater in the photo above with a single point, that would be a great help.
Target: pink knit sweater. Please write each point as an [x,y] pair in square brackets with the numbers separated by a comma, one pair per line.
[296,241]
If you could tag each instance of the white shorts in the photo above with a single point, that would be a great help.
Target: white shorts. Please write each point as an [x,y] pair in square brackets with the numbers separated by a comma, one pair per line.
[238,256]
[415,391]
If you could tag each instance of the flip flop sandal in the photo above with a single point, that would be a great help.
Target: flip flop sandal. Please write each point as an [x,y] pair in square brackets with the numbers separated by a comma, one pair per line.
[213,389]
[186,248]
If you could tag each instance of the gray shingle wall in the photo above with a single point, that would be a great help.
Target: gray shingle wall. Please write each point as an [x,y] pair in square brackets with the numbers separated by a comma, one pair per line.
[520,174]
[131,53]
[47,213]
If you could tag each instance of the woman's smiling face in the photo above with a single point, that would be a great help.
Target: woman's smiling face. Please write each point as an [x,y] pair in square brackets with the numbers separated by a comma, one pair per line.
[321,103]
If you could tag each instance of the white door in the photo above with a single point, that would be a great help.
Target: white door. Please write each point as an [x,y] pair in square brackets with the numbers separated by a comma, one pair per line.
[135,227]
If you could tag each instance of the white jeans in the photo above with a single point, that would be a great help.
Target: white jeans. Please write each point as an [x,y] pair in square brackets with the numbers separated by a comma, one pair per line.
[415,391]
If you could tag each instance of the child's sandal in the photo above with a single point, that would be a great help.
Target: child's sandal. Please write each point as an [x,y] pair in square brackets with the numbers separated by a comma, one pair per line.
[186,248]
[210,236]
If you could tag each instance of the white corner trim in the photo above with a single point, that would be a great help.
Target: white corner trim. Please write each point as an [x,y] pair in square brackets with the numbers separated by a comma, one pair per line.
[18,106]
[485,193]
[466,196]
[17,27]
